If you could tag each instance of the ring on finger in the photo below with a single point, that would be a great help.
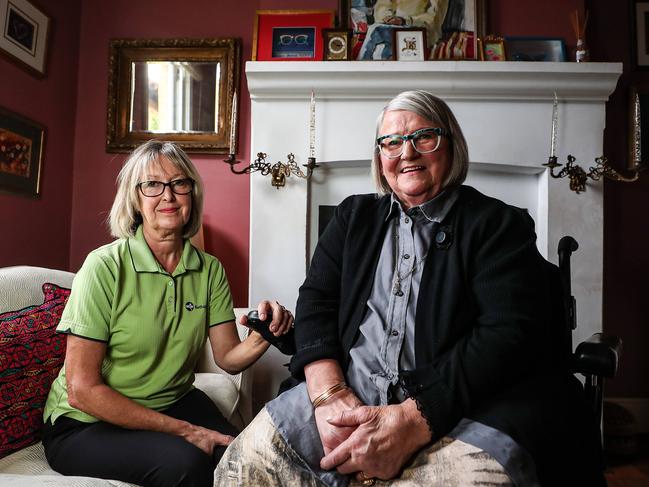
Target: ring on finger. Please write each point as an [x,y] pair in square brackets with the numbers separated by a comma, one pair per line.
[365,479]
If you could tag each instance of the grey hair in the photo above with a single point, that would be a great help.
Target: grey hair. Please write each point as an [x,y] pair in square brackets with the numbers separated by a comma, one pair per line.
[437,111]
[125,214]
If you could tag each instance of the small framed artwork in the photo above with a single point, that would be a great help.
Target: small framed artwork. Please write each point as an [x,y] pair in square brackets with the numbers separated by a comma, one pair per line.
[290,35]
[24,37]
[535,49]
[409,44]
[21,150]
[337,44]
[641,41]
[493,49]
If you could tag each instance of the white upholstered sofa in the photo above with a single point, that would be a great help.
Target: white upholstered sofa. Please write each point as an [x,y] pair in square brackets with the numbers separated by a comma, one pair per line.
[20,286]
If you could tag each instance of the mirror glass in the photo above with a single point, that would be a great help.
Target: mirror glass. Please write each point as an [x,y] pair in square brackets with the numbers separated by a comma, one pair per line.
[173,89]
[171,97]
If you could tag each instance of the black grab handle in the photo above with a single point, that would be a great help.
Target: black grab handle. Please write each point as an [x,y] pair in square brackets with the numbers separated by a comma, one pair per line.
[567,245]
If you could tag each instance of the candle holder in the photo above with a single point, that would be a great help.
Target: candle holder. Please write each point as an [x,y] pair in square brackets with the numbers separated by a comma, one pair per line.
[278,171]
[578,177]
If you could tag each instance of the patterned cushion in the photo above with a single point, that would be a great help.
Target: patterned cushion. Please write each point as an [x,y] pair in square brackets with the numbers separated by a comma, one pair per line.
[31,354]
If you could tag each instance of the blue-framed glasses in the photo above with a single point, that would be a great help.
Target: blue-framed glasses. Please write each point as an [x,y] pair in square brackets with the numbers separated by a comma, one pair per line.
[424,141]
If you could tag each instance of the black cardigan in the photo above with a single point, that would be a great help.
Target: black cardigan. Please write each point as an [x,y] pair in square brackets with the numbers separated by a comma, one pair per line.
[483,321]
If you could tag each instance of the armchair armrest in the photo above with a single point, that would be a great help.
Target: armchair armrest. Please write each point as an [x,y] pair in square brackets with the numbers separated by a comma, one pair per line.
[242,414]
[598,355]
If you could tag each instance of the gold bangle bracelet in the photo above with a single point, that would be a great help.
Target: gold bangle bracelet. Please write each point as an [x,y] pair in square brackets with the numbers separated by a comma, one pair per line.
[318,401]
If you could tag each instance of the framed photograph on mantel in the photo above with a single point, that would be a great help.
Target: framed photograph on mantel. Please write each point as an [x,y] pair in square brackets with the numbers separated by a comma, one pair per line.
[374,21]
[24,36]
[290,35]
[409,44]
[535,49]
[21,150]
[493,49]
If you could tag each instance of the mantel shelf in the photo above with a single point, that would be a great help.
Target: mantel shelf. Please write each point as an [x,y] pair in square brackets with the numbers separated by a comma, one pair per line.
[452,80]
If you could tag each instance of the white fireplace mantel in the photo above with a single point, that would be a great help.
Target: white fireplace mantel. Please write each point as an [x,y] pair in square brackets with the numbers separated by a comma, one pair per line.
[451,80]
[504,109]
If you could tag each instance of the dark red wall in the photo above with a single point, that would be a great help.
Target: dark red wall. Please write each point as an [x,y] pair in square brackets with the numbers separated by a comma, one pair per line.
[226,195]
[549,18]
[37,231]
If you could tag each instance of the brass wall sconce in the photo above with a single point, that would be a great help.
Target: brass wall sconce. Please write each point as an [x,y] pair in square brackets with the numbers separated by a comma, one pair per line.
[280,170]
[578,176]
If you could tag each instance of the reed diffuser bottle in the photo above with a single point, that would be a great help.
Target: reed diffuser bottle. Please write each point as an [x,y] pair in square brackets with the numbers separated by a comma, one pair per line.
[581,52]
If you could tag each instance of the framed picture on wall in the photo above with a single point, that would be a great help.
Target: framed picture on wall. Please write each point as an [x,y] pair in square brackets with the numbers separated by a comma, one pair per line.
[21,151]
[290,35]
[373,23]
[24,36]
[409,44]
[641,34]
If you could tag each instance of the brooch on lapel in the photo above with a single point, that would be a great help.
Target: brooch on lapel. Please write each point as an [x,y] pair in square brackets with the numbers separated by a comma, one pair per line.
[443,238]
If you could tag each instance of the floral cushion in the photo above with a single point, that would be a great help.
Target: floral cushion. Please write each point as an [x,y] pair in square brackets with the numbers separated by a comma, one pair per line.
[31,354]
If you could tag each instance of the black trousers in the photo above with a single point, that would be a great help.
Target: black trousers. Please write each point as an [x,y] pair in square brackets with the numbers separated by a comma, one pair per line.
[146,458]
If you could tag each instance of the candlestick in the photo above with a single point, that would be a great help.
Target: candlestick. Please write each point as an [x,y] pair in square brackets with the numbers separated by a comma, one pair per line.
[637,134]
[233,124]
[312,127]
[555,123]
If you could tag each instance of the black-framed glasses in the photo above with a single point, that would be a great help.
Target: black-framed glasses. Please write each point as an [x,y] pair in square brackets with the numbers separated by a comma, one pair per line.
[156,188]
[424,141]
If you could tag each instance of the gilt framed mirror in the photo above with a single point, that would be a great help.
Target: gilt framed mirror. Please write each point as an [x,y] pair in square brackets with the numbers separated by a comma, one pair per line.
[173,89]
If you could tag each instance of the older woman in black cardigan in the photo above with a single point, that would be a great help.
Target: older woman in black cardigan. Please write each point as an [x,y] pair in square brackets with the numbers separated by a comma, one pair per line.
[423,332]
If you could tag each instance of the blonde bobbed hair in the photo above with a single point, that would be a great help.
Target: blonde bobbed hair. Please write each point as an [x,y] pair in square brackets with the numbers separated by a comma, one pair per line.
[125,214]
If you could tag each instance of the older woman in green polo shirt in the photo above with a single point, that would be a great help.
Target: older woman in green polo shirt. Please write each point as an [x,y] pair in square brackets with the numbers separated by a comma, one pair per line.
[123,407]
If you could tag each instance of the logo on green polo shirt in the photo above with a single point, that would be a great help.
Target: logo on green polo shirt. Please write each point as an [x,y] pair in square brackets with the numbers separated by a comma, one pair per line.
[189,306]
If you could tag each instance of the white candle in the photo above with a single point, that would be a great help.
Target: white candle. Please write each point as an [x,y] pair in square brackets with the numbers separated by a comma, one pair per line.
[312,127]
[233,123]
[637,132]
[555,123]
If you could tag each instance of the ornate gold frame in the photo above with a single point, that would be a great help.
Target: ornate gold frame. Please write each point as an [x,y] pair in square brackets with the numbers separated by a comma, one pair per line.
[119,137]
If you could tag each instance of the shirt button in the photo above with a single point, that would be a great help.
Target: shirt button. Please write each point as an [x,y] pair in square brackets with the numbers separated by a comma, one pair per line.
[170,300]
[399,293]
[395,333]
[406,219]
[171,283]
[406,256]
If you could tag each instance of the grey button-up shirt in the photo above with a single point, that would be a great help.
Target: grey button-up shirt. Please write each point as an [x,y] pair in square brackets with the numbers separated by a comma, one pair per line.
[387,333]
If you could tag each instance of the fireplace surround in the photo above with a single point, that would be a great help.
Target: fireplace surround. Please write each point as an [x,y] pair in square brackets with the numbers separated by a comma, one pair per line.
[505,111]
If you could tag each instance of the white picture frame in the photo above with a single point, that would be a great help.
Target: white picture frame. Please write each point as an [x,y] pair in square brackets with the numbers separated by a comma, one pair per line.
[409,45]
[24,35]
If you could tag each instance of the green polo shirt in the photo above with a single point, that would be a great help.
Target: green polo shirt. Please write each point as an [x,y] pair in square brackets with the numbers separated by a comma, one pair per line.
[154,324]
